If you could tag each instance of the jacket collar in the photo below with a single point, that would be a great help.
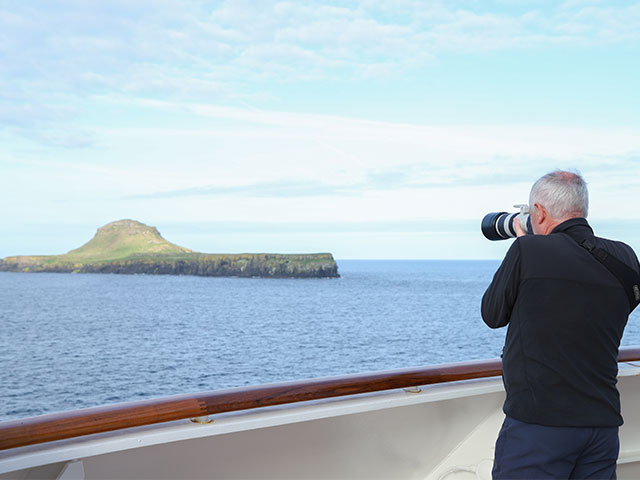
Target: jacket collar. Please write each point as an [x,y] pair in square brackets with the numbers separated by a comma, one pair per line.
[574,226]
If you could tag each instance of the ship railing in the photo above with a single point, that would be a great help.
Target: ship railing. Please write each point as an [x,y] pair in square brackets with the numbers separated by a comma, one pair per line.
[198,406]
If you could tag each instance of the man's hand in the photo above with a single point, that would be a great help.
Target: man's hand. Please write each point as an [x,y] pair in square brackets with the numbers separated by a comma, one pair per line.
[518,228]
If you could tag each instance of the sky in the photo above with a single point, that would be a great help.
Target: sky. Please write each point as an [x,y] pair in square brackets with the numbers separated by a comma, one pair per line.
[371,129]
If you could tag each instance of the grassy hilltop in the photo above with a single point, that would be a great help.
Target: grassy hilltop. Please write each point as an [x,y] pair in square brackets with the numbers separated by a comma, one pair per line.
[122,239]
[128,246]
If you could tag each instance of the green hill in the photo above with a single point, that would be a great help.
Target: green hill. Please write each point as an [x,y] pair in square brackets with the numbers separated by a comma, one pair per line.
[128,246]
[124,238]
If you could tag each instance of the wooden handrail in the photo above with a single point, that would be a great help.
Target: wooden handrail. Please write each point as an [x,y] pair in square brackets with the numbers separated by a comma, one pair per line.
[58,426]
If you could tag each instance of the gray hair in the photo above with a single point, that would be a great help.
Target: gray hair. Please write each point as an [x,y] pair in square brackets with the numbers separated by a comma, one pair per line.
[564,194]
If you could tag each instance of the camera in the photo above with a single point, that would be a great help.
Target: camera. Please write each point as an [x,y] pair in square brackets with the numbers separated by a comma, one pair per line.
[500,225]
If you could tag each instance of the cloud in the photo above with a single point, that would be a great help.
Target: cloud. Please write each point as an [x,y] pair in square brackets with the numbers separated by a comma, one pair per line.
[117,44]
[231,227]
[609,172]
[275,189]
[63,53]
[248,152]
[44,125]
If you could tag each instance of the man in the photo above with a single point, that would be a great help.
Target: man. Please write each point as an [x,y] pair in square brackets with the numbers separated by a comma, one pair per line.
[565,312]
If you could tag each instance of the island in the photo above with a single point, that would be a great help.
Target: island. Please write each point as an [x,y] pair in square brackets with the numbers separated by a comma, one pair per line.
[128,246]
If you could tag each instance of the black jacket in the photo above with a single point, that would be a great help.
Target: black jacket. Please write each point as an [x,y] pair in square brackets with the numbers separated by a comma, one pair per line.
[566,313]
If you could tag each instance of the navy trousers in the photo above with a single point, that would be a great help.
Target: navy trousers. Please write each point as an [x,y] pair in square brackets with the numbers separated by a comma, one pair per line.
[528,451]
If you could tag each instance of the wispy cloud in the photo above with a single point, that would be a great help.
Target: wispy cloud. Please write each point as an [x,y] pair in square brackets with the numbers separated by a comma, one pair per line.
[54,54]
[414,225]
[274,189]
[611,172]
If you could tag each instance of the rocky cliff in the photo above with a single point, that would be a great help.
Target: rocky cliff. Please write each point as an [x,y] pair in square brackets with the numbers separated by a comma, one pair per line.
[128,246]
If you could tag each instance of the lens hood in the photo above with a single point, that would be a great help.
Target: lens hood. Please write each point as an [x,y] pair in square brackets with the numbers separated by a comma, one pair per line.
[489,226]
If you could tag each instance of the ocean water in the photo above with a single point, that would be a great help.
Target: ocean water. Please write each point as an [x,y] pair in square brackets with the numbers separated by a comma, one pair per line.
[71,341]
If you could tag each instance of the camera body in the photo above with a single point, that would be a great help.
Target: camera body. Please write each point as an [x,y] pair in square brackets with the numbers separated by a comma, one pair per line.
[500,225]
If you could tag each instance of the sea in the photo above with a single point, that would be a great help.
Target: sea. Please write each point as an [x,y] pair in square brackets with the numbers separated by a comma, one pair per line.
[70,341]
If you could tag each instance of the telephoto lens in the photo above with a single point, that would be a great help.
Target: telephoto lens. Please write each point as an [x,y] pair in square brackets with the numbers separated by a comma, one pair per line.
[500,225]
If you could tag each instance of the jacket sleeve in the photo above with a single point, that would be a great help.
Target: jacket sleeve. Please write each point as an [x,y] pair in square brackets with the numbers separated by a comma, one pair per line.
[500,297]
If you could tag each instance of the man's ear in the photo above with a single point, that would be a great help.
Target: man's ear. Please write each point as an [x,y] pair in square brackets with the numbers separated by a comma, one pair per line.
[541,213]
